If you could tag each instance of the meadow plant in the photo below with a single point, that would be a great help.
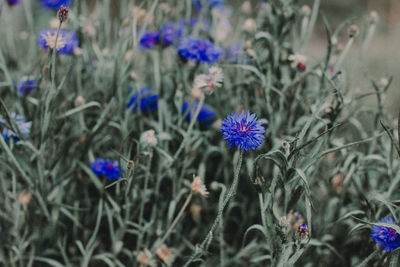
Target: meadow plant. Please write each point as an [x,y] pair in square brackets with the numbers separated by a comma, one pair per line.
[192,133]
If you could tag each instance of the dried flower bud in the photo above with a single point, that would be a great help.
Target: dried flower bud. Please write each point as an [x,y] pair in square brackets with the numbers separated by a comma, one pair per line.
[286,147]
[306,10]
[198,186]
[384,81]
[196,93]
[195,211]
[132,75]
[246,7]
[337,182]
[63,13]
[353,31]
[302,231]
[165,255]
[128,55]
[130,164]
[284,222]
[249,25]
[373,17]
[144,258]
[148,138]
[46,69]
[24,198]
[301,66]
[79,101]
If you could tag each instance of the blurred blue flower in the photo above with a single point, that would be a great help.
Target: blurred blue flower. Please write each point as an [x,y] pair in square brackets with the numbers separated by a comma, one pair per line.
[13,2]
[206,116]
[23,126]
[25,86]
[149,40]
[234,54]
[198,4]
[66,43]
[107,168]
[386,236]
[200,50]
[172,32]
[148,100]
[243,130]
[55,4]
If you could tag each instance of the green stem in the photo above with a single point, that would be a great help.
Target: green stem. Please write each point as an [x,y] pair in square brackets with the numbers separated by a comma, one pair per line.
[232,191]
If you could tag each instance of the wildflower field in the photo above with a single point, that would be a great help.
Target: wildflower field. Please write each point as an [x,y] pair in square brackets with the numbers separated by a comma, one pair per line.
[193,133]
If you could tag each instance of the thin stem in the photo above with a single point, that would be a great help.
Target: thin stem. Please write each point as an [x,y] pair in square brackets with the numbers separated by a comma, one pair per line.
[260,197]
[177,218]
[189,131]
[232,191]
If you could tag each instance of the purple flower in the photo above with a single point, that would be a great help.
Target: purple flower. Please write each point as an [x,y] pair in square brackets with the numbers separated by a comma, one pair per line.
[200,50]
[66,43]
[386,236]
[147,100]
[206,116]
[12,2]
[234,53]
[23,126]
[243,130]
[149,40]
[26,86]
[172,32]
[55,4]
[107,168]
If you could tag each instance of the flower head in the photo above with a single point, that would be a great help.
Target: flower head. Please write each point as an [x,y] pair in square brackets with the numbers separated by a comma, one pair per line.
[23,126]
[206,115]
[210,81]
[200,50]
[106,167]
[25,86]
[243,130]
[66,43]
[298,61]
[149,40]
[55,4]
[172,32]
[146,98]
[386,236]
[198,186]
[302,231]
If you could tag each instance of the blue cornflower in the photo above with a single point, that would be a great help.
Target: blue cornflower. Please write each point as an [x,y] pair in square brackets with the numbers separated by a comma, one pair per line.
[172,32]
[25,86]
[149,40]
[66,43]
[243,130]
[148,100]
[386,236]
[23,126]
[200,50]
[198,4]
[12,2]
[234,53]
[55,4]
[206,115]
[107,168]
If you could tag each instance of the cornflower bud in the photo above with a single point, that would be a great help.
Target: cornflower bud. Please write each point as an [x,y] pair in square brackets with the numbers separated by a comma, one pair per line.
[63,13]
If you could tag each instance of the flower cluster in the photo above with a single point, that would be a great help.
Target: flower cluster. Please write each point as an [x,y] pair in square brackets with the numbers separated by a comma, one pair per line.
[199,50]
[23,126]
[243,130]
[387,237]
[106,167]
[66,43]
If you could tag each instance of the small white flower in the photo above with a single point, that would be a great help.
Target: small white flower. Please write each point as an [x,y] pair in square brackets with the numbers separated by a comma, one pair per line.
[210,81]
[148,138]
